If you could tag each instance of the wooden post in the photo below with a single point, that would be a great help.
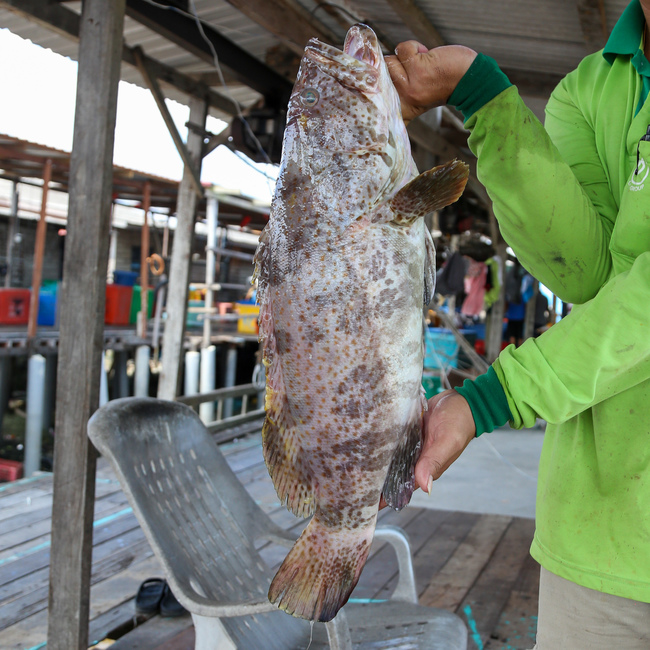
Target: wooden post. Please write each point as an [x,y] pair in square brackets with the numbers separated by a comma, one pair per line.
[11,233]
[39,250]
[82,297]
[172,348]
[144,265]
[531,308]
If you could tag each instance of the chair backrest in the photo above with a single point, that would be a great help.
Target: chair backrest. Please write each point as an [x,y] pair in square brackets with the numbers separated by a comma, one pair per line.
[199,519]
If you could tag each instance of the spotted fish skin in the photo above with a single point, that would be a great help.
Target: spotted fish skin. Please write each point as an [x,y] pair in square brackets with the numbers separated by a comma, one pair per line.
[343,268]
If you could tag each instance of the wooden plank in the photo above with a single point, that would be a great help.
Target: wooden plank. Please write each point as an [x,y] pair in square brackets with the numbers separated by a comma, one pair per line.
[487,598]
[183,641]
[33,597]
[517,626]
[40,558]
[81,337]
[155,632]
[104,596]
[432,547]
[418,523]
[20,542]
[449,586]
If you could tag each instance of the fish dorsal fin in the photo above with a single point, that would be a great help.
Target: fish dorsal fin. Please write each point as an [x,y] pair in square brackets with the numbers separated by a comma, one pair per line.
[430,191]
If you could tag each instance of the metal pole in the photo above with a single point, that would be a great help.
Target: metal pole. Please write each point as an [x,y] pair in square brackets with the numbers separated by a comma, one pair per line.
[120,378]
[208,375]
[192,359]
[103,382]
[212,213]
[142,355]
[34,422]
[231,373]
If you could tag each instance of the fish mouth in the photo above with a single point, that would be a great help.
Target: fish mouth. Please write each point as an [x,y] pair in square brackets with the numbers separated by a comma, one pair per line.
[357,65]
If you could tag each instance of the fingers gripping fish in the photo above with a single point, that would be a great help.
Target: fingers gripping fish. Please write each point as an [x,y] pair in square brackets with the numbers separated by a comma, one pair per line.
[344,268]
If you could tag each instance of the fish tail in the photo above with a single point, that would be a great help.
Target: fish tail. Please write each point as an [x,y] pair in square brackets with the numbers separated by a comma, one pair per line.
[321,570]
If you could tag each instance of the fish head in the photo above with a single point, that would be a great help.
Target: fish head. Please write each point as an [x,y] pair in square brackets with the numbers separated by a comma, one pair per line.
[344,126]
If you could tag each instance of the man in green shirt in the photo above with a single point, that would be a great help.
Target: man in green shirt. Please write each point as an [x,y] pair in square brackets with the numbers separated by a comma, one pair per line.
[573,201]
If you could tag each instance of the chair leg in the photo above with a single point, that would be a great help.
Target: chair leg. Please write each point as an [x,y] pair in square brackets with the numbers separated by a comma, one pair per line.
[338,632]
[211,634]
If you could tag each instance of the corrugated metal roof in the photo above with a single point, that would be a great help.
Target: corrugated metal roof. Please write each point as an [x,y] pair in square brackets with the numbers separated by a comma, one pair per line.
[538,40]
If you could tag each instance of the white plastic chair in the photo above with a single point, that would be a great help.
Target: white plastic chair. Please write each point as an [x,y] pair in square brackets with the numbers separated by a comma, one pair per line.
[202,524]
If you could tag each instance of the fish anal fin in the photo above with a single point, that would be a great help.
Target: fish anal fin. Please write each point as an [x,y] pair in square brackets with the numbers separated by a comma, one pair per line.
[430,191]
[400,480]
[281,442]
[288,473]
[321,570]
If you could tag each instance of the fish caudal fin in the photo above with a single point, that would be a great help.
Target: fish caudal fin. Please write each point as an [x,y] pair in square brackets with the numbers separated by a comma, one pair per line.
[400,480]
[429,192]
[321,570]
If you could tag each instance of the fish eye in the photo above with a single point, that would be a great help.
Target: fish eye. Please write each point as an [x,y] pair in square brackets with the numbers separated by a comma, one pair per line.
[309,97]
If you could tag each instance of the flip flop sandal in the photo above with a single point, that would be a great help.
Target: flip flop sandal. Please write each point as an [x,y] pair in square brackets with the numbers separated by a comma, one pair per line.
[150,593]
[169,606]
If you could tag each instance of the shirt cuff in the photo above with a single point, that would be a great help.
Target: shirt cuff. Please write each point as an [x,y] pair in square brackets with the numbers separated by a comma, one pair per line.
[487,400]
[483,81]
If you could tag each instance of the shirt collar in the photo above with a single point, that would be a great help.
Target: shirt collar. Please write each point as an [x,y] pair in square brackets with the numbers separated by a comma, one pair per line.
[626,35]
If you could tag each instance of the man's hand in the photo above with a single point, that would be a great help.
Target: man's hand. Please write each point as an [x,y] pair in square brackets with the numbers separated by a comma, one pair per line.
[448,429]
[426,78]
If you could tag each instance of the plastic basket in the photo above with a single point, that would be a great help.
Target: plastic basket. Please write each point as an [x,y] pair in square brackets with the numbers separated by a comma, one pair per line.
[247,321]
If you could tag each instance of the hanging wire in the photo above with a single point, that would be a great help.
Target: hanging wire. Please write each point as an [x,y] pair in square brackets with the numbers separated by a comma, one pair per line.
[199,24]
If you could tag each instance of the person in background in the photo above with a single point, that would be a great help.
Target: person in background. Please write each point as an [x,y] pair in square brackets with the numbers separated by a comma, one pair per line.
[572,202]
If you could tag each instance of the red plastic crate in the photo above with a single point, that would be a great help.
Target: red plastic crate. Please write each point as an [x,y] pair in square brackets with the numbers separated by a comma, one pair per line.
[118,304]
[10,470]
[14,306]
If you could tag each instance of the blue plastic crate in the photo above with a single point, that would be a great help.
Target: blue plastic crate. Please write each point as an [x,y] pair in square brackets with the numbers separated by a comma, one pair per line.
[441,348]
[46,308]
[125,278]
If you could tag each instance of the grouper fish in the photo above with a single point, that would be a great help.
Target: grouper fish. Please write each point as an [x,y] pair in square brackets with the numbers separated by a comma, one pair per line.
[344,268]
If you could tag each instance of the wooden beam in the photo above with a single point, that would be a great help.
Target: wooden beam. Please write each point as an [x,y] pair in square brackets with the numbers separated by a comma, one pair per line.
[173,336]
[418,22]
[82,296]
[288,21]
[39,251]
[65,22]
[182,30]
[159,98]
[593,21]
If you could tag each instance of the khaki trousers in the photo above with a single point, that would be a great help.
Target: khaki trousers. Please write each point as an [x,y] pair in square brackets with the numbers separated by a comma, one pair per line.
[572,617]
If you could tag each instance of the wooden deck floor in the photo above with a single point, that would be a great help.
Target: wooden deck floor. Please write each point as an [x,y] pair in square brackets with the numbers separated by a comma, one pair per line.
[475,565]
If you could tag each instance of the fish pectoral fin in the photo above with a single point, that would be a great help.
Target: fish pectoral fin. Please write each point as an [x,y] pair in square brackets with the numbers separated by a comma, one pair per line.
[429,192]
[290,476]
[400,480]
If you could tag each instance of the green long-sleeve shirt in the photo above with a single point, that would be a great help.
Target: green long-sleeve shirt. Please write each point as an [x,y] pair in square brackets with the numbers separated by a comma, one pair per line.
[574,204]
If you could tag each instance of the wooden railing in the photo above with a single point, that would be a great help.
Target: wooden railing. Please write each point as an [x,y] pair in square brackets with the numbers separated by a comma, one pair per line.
[233,426]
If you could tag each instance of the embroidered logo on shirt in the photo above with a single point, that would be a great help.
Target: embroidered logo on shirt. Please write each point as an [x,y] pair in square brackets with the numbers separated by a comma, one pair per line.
[640,175]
